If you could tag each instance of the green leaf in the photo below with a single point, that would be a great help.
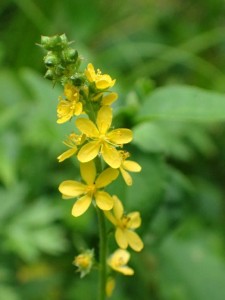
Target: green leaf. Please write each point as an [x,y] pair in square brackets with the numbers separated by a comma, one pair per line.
[174,138]
[183,103]
[191,270]
[162,137]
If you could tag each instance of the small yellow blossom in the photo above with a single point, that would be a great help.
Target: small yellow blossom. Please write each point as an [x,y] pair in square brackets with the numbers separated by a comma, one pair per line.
[72,142]
[103,141]
[84,262]
[102,81]
[118,262]
[69,107]
[91,190]
[125,225]
[128,165]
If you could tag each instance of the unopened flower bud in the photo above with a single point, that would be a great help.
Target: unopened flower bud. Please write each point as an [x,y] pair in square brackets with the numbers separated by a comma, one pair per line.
[55,42]
[49,74]
[64,41]
[78,79]
[84,262]
[51,60]
[70,55]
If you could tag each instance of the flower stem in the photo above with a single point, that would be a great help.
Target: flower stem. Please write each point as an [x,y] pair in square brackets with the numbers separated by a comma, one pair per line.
[102,254]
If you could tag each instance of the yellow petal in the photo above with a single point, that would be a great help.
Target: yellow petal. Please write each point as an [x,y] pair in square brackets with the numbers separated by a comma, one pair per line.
[67,154]
[121,238]
[78,109]
[131,166]
[89,151]
[120,136]
[111,156]
[125,270]
[118,209]
[81,205]
[87,127]
[71,92]
[110,217]
[71,188]
[104,119]
[118,260]
[88,172]
[105,82]
[106,177]
[120,257]
[90,73]
[134,240]
[134,220]
[126,176]
[109,99]
[103,200]
[64,118]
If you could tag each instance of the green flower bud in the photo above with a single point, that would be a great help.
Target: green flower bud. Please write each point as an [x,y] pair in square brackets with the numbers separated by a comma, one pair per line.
[78,79]
[55,42]
[49,74]
[51,60]
[70,55]
[64,40]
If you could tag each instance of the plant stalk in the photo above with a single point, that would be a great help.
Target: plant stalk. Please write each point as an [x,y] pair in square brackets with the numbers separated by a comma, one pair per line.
[102,254]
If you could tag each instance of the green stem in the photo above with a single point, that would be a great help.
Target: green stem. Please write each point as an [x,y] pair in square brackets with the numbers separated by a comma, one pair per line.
[102,254]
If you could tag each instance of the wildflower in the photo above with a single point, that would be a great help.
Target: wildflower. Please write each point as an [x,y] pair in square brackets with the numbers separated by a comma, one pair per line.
[103,141]
[118,260]
[91,190]
[125,225]
[102,81]
[84,262]
[70,106]
[128,165]
[72,142]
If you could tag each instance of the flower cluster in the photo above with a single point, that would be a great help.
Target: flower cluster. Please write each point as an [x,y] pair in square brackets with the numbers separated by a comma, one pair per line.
[96,144]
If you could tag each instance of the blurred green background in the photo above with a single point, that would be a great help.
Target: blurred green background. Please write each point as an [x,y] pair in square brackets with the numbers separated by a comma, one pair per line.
[144,44]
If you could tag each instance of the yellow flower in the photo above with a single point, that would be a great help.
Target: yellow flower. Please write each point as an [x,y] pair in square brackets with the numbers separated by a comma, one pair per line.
[84,262]
[102,81]
[128,165]
[89,191]
[69,107]
[72,142]
[103,141]
[118,262]
[125,225]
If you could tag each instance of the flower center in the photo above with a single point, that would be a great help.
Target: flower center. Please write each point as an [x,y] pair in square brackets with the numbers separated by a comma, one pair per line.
[91,189]
[119,262]
[124,221]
